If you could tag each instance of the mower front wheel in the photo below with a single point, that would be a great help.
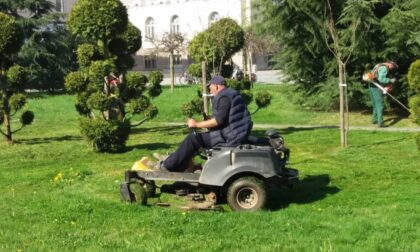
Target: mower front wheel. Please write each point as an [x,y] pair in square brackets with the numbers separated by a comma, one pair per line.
[150,188]
[139,192]
[247,194]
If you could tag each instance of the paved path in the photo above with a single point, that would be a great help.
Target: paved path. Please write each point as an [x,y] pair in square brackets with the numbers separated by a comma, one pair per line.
[286,126]
[269,76]
[372,128]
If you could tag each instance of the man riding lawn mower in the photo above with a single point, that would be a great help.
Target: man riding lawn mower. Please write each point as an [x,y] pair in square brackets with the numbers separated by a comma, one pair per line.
[238,167]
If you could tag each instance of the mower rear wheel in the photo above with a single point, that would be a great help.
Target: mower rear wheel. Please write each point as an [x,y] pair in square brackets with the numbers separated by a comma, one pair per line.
[247,194]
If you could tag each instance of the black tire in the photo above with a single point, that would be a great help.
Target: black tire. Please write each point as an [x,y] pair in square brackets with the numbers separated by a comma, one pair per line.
[150,188]
[247,194]
[126,194]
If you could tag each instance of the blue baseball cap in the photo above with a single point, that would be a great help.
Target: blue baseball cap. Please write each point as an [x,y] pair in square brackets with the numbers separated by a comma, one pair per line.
[217,80]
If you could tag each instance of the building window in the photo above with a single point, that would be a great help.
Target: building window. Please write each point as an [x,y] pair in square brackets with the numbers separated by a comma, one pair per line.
[59,5]
[177,59]
[214,17]
[175,24]
[150,28]
[149,62]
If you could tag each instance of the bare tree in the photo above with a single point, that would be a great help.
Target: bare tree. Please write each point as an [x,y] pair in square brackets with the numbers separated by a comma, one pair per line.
[340,33]
[255,43]
[173,44]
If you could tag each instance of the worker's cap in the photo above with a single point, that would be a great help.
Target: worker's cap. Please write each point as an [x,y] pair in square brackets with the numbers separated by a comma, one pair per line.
[394,65]
[217,80]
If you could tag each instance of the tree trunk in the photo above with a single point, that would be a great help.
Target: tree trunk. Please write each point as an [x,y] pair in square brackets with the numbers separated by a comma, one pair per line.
[244,60]
[204,84]
[5,100]
[8,134]
[172,70]
[221,63]
[250,63]
[8,130]
[343,90]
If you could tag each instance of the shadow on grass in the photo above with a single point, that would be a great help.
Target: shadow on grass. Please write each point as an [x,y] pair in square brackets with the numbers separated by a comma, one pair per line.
[398,140]
[308,190]
[164,130]
[291,130]
[147,146]
[393,120]
[41,140]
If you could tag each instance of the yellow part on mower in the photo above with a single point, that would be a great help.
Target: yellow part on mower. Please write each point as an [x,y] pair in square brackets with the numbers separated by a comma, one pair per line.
[144,164]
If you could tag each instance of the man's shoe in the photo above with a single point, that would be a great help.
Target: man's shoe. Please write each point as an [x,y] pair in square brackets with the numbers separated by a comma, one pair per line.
[161,167]
[381,125]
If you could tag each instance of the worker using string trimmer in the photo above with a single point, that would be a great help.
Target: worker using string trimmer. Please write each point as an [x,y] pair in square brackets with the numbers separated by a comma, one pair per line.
[380,81]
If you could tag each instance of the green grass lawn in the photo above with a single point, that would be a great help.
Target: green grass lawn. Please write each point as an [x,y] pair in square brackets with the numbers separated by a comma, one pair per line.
[56,194]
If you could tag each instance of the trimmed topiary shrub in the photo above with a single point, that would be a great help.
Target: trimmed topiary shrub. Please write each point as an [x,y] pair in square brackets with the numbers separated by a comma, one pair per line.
[414,102]
[16,77]
[413,76]
[132,38]
[238,85]
[86,53]
[247,95]
[227,71]
[155,78]
[417,138]
[263,99]
[104,88]
[75,82]
[12,77]
[103,135]
[97,19]
[27,117]
[195,106]
[17,101]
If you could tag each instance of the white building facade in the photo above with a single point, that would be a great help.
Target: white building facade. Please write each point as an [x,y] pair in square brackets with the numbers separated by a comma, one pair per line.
[189,17]
[63,6]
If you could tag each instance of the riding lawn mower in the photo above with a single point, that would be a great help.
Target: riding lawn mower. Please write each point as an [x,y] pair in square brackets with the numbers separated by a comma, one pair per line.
[240,175]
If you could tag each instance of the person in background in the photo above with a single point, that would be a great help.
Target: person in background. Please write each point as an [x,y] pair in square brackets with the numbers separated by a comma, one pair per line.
[383,75]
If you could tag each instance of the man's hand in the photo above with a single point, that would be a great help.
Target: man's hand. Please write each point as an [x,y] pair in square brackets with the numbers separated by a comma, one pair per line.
[191,123]
[211,123]
[393,80]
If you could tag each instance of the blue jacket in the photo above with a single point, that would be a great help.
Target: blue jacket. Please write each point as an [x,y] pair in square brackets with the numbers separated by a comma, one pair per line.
[239,125]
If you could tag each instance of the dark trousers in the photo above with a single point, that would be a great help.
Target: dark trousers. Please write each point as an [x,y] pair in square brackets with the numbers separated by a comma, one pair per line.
[377,99]
[178,160]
